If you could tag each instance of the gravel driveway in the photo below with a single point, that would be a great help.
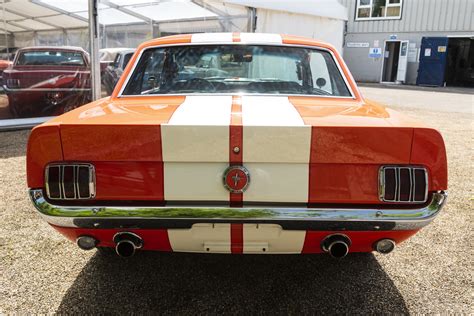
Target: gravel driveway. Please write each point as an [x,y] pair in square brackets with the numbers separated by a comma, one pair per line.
[431,273]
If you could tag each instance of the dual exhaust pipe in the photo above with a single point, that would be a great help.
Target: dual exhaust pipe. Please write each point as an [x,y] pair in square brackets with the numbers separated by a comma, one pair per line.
[126,243]
[338,245]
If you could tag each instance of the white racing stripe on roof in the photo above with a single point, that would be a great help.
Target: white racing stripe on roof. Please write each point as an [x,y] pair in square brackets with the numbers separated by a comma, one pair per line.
[211,38]
[262,38]
[203,110]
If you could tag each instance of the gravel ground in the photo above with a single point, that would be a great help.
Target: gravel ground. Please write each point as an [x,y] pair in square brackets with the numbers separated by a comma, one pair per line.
[41,272]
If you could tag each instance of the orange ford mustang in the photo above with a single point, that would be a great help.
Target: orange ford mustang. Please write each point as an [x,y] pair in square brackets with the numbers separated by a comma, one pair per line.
[236,143]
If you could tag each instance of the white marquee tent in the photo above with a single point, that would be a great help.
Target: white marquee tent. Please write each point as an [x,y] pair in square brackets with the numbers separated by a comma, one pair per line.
[122,22]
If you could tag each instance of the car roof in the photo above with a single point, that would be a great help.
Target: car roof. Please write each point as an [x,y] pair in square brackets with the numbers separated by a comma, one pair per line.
[235,38]
[56,48]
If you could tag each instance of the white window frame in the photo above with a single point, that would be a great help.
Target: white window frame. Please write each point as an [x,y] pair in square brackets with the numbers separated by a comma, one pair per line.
[370,6]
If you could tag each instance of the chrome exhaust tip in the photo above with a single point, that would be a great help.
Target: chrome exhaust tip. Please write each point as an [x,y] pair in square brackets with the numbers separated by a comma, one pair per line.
[127,243]
[125,248]
[336,245]
[86,242]
[384,246]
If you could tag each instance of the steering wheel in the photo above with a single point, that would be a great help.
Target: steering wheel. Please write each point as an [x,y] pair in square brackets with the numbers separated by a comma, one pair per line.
[200,84]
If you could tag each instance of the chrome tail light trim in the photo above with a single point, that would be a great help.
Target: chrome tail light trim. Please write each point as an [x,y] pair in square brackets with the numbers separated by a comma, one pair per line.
[77,167]
[398,184]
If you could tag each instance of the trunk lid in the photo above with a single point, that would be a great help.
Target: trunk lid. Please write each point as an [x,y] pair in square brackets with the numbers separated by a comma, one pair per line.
[192,140]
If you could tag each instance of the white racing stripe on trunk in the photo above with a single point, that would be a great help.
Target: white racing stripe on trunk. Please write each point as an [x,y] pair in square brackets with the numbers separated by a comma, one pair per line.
[260,38]
[269,111]
[276,150]
[211,38]
[195,146]
[272,239]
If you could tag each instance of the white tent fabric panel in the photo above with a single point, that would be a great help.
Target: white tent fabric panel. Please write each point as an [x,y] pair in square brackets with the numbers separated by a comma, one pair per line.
[166,11]
[70,5]
[52,38]
[228,8]
[28,15]
[134,2]
[78,38]
[323,8]
[320,28]
[64,20]
[11,28]
[24,39]
[31,24]
[29,8]
[111,16]
[8,16]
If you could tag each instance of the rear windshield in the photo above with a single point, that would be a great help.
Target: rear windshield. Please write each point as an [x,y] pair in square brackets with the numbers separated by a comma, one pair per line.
[255,69]
[54,57]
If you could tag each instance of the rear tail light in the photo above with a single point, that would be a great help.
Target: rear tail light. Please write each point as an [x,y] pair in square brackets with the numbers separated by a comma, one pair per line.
[70,181]
[403,184]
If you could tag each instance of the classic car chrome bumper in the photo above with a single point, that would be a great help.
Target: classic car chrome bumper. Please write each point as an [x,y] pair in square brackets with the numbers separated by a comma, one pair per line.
[287,217]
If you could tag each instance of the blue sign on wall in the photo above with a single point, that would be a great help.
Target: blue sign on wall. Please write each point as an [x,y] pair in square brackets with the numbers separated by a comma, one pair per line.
[375,52]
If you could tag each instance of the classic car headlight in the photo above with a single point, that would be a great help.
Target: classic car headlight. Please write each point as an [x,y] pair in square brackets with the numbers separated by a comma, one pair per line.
[70,181]
[403,184]
[54,98]
[13,83]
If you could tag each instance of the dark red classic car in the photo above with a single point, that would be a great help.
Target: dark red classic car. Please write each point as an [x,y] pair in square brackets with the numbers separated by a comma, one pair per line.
[47,81]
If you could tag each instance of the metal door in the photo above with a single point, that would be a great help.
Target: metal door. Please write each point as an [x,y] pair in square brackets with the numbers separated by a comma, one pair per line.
[432,61]
[402,61]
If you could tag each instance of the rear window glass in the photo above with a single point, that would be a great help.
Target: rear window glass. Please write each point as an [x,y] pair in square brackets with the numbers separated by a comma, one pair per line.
[50,58]
[254,69]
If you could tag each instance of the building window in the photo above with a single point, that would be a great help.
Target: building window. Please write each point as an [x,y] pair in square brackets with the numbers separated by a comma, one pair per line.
[378,9]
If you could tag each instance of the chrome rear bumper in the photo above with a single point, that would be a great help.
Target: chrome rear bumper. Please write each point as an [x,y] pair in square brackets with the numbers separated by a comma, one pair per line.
[287,217]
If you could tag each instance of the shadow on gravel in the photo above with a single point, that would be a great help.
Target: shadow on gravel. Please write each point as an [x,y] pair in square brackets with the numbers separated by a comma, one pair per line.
[192,284]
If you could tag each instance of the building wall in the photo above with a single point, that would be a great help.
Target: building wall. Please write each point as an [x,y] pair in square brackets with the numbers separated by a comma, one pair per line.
[419,18]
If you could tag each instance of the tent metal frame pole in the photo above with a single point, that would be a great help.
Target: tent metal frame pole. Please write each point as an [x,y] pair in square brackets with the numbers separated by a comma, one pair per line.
[252,20]
[94,49]
[5,30]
